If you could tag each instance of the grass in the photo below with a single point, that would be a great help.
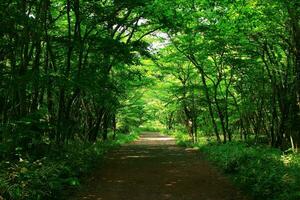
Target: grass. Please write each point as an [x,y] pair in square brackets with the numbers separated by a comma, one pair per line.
[264,173]
[149,128]
[56,172]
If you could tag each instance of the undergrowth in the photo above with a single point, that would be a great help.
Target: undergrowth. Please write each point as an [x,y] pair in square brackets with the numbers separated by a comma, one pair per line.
[264,173]
[54,173]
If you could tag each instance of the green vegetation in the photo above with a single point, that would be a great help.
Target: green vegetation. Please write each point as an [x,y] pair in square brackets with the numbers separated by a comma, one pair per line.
[265,173]
[261,171]
[61,170]
[75,74]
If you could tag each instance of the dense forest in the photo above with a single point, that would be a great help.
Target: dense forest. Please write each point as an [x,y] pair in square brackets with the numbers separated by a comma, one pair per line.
[76,77]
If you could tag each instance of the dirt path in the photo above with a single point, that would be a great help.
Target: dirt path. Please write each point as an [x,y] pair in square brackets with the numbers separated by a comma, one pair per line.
[154,168]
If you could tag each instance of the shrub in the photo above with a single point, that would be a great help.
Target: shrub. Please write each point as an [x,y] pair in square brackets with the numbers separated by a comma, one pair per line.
[264,172]
[61,169]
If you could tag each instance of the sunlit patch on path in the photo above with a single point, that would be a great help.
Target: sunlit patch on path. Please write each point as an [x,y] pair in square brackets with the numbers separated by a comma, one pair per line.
[157,139]
[154,168]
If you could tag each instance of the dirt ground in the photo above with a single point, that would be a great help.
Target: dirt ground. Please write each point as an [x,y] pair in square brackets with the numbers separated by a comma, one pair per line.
[154,168]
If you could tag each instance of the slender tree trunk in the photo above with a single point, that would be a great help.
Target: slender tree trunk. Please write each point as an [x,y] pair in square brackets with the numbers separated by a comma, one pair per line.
[295,30]
[105,126]
[114,126]
[214,123]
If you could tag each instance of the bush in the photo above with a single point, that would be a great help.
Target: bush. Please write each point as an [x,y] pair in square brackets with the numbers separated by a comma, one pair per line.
[264,172]
[182,139]
[61,169]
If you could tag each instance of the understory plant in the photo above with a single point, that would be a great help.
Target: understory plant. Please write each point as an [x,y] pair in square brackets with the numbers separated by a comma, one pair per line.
[54,173]
[264,172]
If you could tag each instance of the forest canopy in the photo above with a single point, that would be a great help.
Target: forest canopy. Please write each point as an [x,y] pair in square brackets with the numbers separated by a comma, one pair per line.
[69,67]
[81,71]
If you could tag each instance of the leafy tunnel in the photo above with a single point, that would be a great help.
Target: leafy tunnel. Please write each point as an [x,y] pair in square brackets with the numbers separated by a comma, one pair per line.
[74,72]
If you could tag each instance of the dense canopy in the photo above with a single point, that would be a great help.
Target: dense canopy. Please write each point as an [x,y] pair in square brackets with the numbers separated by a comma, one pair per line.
[77,72]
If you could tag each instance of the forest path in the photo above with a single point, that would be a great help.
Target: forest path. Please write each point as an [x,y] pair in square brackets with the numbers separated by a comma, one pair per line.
[154,168]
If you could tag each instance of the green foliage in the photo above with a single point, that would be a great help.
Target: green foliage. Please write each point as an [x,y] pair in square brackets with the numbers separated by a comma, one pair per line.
[61,170]
[150,128]
[182,139]
[264,172]
[72,71]
[25,136]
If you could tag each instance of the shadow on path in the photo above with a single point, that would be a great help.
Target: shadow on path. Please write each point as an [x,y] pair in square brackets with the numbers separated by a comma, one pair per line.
[154,168]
